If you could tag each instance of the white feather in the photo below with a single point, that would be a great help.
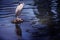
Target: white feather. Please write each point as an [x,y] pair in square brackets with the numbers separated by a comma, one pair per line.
[19,8]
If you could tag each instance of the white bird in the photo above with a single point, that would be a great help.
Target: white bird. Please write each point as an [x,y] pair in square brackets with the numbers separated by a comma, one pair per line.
[18,10]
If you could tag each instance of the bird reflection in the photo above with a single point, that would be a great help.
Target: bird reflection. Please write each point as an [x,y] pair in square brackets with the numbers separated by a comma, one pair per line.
[18,31]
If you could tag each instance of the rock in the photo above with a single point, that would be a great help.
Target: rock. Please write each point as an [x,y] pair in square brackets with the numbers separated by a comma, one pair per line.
[17,21]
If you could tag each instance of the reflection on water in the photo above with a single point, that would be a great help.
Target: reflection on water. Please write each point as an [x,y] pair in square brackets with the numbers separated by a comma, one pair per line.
[49,18]
[18,31]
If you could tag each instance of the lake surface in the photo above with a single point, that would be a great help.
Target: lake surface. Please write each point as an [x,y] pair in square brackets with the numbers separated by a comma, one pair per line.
[32,28]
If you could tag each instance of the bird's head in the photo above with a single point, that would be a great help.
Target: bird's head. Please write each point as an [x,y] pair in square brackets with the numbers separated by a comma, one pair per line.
[21,3]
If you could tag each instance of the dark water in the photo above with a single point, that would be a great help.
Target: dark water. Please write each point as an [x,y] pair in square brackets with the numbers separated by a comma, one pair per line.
[33,28]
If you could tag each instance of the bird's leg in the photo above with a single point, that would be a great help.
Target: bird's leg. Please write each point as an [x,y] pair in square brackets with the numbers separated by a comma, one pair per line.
[18,19]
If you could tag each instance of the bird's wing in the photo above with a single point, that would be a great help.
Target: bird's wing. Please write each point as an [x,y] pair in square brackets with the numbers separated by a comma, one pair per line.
[17,8]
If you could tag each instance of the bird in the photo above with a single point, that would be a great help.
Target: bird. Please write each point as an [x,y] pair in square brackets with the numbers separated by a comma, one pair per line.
[18,13]
[19,9]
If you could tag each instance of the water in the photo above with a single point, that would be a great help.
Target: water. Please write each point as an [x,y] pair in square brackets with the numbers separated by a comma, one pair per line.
[32,28]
